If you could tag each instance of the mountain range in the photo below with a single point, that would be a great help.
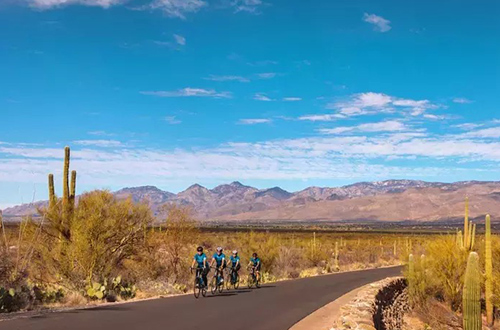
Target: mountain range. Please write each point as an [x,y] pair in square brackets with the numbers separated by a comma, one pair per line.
[391,200]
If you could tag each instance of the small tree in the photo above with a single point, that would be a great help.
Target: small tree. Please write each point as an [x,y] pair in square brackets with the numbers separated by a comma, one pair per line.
[181,233]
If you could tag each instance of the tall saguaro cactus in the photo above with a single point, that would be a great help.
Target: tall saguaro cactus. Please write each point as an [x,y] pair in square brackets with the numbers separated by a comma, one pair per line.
[471,303]
[488,265]
[72,192]
[52,193]
[68,197]
[65,201]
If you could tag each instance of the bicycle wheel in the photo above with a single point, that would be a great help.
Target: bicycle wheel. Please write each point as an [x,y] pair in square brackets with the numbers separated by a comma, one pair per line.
[197,288]
[250,281]
[204,291]
[221,286]
[213,285]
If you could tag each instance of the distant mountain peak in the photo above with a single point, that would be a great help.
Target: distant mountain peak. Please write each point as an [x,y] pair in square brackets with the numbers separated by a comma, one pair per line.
[275,192]
[195,186]
[380,200]
[237,184]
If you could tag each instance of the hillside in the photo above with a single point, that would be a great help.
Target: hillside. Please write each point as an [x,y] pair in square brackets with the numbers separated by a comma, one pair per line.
[392,200]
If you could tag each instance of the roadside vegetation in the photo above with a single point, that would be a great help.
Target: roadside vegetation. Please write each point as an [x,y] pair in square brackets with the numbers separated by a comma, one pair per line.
[455,283]
[100,248]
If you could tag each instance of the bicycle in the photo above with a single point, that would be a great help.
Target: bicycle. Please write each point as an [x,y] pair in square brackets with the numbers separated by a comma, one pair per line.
[199,284]
[233,278]
[253,280]
[217,283]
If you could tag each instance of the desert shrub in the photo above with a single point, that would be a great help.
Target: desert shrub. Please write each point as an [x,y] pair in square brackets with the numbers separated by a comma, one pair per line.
[100,235]
[169,252]
[445,265]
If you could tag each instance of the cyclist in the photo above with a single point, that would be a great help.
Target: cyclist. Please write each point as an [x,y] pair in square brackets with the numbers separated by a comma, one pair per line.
[235,262]
[255,263]
[200,259]
[220,260]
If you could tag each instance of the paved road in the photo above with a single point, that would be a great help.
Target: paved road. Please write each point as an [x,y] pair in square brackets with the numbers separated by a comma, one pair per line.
[273,307]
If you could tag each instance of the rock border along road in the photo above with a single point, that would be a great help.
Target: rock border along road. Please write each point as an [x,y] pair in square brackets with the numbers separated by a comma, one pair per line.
[275,306]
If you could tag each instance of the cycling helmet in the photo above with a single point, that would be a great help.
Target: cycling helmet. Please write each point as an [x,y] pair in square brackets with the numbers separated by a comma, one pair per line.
[199,249]
[235,252]
[254,255]
[219,249]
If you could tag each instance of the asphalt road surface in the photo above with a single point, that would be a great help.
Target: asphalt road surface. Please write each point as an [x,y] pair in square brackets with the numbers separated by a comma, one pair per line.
[275,306]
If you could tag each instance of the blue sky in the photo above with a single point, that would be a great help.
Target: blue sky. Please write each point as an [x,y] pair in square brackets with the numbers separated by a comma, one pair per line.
[289,93]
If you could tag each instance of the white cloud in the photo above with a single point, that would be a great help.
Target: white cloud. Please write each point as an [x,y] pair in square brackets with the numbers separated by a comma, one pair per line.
[46,4]
[461,100]
[371,103]
[322,157]
[373,99]
[187,92]
[266,75]
[467,126]
[327,117]
[492,132]
[262,97]
[178,8]
[434,117]
[380,23]
[250,6]
[292,99]
[172,120]
[227,78]
[180,39]
[384,126]
[99,143]
[252,121]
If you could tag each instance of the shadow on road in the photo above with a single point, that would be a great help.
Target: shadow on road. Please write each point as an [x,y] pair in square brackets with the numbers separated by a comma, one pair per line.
[222,295]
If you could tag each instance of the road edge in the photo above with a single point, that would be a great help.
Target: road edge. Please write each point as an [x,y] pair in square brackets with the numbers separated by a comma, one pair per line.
[325,317]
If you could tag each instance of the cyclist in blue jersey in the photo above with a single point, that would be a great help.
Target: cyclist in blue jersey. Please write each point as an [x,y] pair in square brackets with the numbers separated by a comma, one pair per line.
[200,260]
[235,260]
[256,264]
[220,260]
[235,266]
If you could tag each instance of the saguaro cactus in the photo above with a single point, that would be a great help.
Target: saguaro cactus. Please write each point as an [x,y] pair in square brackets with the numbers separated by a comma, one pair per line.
[488,265]
[473,236]
[460,240]
[471,303]
[72,192]
[466,223]
[65,201]
[52,194]
[68,196]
